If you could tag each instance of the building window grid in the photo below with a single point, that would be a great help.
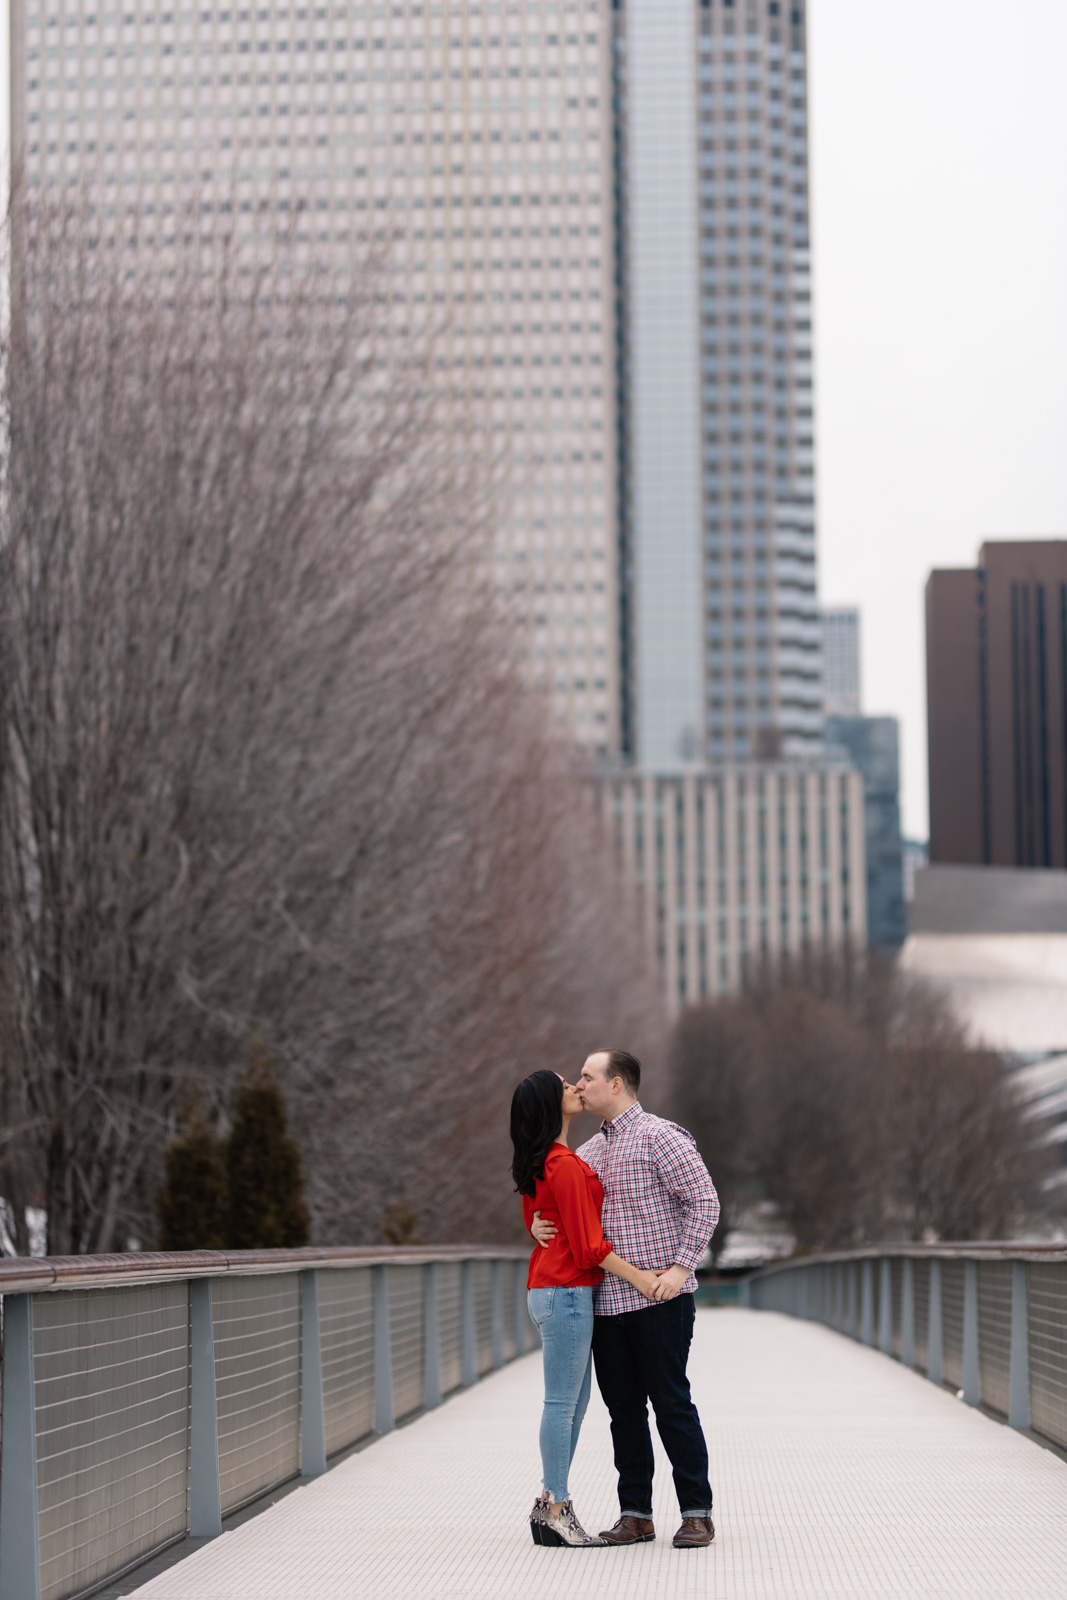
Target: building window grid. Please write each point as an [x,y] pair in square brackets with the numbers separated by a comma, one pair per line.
[190,108]
[791,216]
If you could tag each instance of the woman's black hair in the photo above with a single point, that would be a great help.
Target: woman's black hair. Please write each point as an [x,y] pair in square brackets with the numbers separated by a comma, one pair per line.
[536,1124]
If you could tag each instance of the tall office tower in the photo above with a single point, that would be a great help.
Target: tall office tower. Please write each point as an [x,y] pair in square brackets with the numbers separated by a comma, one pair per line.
[473,142]
[996,693]
[721,636]
[841,661]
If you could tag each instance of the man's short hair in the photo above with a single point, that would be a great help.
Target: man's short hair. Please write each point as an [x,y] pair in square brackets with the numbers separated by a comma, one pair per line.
[621,1064]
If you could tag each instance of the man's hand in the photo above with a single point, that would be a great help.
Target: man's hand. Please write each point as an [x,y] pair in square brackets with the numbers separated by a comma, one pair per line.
[543,1230]
[670,1283]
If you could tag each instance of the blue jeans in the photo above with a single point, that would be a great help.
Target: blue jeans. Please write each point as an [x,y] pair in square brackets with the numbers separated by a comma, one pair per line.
[564,1319]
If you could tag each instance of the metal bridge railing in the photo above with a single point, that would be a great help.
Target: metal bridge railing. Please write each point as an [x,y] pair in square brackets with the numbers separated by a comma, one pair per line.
[990,1320]
[147,1396]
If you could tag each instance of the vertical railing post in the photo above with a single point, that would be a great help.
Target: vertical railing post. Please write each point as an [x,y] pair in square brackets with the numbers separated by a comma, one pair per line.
[431,1338]
[20,1564]
[744,1295]
[205,1503]
[312,1407]
[470,1332]
[384,1415]
[934,1342]
[907,1312]
[1019,1370]
[971,1377]
[851,1271]
[885,1308]
[867,1309]
[497,1315]
[522,1314]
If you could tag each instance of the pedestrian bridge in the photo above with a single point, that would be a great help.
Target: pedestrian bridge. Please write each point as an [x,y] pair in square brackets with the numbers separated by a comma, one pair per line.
[838,1468]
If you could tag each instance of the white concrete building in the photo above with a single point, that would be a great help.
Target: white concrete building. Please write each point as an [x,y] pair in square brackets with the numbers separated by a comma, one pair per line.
[470,141]
[739,866]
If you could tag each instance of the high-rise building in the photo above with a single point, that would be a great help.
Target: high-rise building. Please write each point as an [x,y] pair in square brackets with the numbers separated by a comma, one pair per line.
[996,688]
[721,634]
[606,209]
[599,212]
[472,141]
[734,869]
[871,745]
[841,661]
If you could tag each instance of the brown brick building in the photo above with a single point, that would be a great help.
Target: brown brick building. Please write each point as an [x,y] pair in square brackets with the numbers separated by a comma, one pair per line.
[996,688]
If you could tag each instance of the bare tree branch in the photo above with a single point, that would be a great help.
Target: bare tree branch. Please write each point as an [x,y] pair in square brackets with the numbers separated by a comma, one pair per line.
[265,767]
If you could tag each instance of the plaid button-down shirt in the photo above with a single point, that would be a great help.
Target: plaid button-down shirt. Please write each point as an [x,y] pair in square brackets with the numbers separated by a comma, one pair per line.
[660,1205]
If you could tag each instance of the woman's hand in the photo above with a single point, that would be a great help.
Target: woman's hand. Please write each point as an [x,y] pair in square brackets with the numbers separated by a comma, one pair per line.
[647,1282]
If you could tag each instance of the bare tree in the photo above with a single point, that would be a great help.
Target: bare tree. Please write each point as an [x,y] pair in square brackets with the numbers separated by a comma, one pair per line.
[265,769]
[716,1052]
[846,1093]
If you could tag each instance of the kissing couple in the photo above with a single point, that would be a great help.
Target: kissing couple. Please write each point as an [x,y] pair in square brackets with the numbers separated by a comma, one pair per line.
[620,1224]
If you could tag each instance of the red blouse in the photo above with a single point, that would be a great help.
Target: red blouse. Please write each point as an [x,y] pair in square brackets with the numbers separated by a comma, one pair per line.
[570,1195]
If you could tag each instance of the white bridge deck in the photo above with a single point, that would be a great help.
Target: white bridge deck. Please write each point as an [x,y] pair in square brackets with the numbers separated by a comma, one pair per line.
[835,1472]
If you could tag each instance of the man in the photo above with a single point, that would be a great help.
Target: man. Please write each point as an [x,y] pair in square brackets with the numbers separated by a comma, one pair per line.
[660,1210]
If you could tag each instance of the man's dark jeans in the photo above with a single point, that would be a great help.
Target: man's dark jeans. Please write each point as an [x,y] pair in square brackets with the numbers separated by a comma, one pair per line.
[641,1356]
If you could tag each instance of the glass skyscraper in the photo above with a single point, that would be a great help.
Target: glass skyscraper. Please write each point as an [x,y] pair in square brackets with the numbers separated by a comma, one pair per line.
[841,661]
[720,629]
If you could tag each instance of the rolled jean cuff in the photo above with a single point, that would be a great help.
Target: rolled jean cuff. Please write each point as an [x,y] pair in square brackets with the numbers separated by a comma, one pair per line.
[642,1516]
[704,1512]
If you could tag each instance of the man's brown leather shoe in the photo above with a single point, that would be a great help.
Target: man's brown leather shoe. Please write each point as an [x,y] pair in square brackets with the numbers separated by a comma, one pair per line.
[630,1530]
[694,1533]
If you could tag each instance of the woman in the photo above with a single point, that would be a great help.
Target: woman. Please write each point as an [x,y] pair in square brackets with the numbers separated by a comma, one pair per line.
[552,1179]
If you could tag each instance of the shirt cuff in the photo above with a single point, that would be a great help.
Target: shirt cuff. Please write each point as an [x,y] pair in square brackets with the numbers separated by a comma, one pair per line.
[688,1258]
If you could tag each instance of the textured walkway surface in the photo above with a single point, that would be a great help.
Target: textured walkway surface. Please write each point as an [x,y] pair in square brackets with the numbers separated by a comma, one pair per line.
[835,1473]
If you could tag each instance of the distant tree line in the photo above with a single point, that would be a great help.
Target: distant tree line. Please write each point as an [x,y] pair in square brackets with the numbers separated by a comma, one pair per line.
[266,767]
[846,1093]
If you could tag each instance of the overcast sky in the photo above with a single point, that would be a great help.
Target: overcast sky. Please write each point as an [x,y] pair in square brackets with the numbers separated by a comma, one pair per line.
[939,174]
[939,171]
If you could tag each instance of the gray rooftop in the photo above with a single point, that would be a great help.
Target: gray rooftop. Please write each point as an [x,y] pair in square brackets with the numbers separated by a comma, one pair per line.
[974,900]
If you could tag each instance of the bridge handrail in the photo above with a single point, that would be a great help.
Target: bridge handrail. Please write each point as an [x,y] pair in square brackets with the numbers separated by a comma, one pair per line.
[952,1250]
[146,1396]
[987,1319]
[39,1274]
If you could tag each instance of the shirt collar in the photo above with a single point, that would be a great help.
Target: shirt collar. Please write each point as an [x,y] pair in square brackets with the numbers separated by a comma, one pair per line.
[623,1120]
